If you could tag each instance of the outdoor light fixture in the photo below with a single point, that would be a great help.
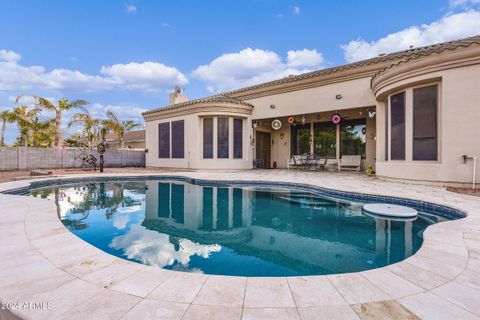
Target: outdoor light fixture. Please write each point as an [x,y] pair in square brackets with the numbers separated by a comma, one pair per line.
[338,96]
[272,106]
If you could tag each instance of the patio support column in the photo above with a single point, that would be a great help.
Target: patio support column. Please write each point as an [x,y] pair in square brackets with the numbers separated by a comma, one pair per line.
[337,151]
[312,139]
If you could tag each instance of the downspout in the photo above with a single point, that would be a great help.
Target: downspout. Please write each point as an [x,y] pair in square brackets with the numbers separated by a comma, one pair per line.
[465,158]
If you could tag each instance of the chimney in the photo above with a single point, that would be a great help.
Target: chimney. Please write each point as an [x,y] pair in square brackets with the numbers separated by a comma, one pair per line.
[176,96]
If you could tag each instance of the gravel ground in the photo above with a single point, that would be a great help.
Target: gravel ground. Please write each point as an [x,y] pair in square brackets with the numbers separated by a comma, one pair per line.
[469,191]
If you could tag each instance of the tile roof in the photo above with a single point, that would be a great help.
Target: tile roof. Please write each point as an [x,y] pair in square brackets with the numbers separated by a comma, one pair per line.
[401,55]
[428,50]
[219,98]
[396,58]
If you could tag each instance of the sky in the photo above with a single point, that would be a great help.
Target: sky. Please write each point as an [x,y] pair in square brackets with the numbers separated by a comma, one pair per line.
[126,56]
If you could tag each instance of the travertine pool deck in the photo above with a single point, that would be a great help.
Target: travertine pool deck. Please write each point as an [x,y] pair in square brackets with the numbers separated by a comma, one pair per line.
[41,261]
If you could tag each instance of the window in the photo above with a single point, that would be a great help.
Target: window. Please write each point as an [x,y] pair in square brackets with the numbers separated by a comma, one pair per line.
[397,124]
[237,138]
[353,137]
[178,141]
[222,147]
[325,139]
[164,140]
[208,138]
[300,139]
[425,123]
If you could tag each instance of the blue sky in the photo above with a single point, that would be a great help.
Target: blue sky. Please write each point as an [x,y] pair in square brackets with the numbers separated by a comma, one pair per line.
[126,55]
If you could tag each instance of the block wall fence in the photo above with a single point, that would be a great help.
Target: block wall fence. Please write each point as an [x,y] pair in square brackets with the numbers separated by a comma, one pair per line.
[26,158]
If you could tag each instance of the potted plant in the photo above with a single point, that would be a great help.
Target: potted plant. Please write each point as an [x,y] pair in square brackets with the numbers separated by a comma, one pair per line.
[370,170]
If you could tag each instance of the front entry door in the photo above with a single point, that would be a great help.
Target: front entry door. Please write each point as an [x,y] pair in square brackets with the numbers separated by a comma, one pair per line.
[263,149]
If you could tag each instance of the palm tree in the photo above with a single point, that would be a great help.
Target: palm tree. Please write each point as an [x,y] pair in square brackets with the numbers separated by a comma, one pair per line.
[92,128]
[119,127]
[61,106]
[23,115]
[42,132]
[6,117]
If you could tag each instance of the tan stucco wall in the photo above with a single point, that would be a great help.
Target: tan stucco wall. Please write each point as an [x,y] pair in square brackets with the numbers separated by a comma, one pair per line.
[194,144]
[355,93]
[459,117]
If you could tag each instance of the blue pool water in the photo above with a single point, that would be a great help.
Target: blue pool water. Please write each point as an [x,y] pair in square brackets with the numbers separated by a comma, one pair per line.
[233,230]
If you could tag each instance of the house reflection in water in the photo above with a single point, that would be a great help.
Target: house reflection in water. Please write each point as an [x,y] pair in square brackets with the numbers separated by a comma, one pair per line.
[304,232]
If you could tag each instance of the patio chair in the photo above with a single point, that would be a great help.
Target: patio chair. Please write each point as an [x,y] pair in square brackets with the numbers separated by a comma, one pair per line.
[294,162]
[321,165]
[352,162]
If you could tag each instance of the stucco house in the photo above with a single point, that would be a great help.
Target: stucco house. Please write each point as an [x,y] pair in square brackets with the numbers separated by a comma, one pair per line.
[411,115]
[134,139]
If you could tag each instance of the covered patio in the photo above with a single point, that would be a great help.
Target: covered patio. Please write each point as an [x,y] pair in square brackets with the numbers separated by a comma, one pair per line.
[316,140]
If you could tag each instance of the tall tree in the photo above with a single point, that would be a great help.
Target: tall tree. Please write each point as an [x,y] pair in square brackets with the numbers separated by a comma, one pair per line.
[23,115]
[42,132]
[59,108]
[119,127]
[6,117]
[92,128]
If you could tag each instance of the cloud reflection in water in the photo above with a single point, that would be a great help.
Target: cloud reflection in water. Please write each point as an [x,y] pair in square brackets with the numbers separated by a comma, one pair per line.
[155,249]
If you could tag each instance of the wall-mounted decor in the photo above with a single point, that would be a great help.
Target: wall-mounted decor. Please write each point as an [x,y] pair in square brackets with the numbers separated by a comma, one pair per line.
[291,120]
[276,124]
[336,118]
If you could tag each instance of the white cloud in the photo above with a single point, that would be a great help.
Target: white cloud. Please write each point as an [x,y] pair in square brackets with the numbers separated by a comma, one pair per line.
[296,10]
[253,66]
[9,56]
[304,58]
[124,112]
[464,3]
[130,8]
[146,76]
[165,25]
[449,27]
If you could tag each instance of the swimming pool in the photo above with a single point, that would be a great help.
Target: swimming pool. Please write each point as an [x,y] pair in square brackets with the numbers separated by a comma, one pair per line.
[240,229]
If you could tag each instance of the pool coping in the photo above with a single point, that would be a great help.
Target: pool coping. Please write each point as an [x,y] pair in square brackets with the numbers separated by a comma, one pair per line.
[448,259]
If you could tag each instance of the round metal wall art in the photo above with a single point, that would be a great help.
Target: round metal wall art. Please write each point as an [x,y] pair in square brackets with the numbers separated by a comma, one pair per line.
[101,148]
[291,120]
[276,124]
[336,118]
